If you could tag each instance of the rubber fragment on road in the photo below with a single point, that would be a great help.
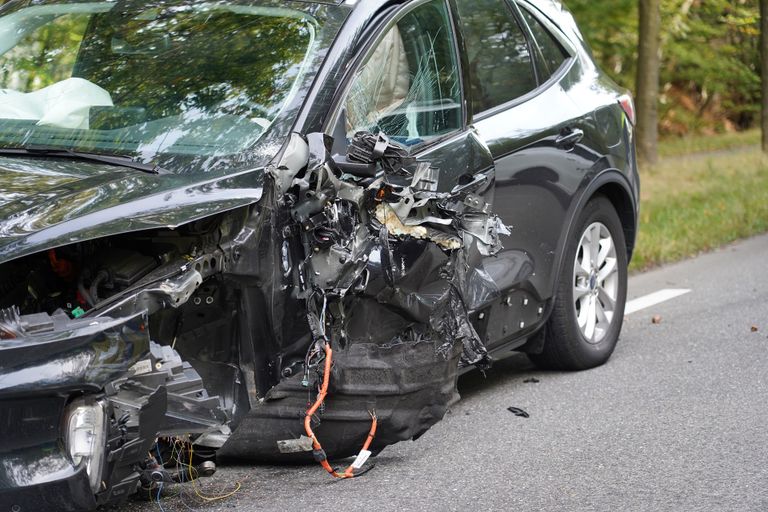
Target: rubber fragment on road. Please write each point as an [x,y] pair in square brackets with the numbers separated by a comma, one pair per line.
[518,412]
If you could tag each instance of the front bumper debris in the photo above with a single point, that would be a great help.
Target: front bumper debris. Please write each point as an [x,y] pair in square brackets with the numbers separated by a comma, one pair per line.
[148,390]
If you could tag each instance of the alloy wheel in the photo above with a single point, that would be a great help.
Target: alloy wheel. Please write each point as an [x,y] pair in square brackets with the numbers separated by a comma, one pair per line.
[595,282]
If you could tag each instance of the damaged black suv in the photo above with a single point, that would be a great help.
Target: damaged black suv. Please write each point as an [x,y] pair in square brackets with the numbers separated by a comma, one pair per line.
[279,230]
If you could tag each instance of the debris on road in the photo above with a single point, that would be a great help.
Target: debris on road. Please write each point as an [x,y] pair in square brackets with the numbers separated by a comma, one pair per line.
[656,320]
[754,328]
[532,380]
[518,412]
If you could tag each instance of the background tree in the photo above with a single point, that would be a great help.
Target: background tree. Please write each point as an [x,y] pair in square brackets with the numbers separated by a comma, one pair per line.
[764,69]
[710,64]
[648,67]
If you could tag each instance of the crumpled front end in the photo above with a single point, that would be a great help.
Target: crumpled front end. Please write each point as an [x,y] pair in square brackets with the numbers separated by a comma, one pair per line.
[215,337]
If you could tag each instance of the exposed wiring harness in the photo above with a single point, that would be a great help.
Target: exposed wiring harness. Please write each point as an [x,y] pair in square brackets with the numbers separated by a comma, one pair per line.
[198,491]
[182,458]
[317,449]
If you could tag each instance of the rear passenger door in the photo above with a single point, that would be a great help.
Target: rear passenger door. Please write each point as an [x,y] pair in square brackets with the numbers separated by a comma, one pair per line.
[521,110]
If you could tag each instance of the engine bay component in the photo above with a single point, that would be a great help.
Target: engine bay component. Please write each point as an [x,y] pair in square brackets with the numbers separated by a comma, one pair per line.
[190,409]
[117,269]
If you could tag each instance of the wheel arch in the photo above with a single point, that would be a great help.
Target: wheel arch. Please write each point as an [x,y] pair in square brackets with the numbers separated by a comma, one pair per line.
[622,202]
[615,186]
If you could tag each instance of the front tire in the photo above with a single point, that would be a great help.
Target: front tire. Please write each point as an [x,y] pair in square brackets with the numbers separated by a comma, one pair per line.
[588,311]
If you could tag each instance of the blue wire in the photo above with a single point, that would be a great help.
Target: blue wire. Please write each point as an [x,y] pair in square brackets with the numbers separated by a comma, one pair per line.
[160,488]
[159,492]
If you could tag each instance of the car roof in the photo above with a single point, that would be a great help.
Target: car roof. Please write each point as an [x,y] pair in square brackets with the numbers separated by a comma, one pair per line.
[559,14]
[555,10]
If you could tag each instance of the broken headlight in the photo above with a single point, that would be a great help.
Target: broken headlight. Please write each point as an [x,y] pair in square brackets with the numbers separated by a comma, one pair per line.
[86,437]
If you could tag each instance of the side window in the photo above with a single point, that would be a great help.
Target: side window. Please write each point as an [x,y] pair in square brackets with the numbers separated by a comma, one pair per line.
[410,86]
[552,51]
[499,58]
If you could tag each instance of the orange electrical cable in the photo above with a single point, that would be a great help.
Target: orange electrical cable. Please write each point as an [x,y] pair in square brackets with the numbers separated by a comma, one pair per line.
[61,268]
[319,453]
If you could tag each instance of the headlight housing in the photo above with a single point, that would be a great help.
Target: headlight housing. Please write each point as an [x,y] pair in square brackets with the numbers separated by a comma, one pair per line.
[86,437]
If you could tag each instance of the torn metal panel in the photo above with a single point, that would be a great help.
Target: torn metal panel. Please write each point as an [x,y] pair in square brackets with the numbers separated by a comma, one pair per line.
[415,229]
[395,200]
[487,229]
[382,263]
[294,159]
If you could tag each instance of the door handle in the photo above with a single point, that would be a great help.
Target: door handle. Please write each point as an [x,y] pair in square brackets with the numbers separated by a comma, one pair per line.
[569,138]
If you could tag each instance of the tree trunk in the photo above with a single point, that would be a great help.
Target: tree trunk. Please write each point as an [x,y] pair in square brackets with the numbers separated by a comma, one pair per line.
[649,62]
[764,62]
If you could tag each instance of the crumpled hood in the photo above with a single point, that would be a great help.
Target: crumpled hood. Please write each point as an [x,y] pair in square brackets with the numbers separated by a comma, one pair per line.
[47,202]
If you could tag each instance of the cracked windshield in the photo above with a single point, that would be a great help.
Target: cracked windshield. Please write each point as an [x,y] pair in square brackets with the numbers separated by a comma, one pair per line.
[184,83]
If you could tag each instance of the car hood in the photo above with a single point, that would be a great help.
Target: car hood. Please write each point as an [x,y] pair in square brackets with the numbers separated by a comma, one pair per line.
[48,202]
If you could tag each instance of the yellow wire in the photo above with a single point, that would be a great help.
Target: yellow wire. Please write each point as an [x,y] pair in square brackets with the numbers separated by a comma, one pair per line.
[207,499]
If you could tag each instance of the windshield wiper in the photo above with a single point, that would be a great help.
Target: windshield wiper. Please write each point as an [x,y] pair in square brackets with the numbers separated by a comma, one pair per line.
[121,161]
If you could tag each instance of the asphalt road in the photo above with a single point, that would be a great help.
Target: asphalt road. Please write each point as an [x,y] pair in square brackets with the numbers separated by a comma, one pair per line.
[677,420]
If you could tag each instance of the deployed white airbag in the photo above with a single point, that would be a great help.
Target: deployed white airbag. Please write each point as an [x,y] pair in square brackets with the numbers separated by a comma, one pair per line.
[65,104]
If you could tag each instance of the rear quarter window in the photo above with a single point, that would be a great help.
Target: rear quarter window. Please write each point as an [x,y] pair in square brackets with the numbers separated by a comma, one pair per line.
[500,63]
[552,54]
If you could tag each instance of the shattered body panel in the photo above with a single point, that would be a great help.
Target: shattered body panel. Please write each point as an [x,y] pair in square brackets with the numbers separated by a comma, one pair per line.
[390,303]
[324,286]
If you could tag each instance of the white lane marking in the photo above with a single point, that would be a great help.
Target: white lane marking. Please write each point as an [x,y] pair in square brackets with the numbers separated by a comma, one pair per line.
[633,306]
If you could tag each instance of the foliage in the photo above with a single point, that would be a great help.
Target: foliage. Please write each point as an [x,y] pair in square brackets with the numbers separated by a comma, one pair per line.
[710,76]
[736,141]
[699,202]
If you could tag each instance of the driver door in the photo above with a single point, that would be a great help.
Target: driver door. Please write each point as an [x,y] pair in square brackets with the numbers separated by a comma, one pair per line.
[409,86]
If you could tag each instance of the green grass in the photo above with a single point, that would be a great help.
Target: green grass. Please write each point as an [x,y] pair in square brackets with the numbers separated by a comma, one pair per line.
[695,204]
[680,146]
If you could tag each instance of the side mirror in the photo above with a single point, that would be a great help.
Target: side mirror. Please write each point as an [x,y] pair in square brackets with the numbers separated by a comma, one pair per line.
[339,150]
